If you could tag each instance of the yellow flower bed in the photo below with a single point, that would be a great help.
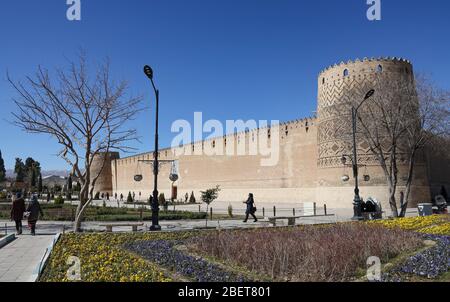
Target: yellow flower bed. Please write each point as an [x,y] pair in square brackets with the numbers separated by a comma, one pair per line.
[443,229]
[103,259]
[435,224]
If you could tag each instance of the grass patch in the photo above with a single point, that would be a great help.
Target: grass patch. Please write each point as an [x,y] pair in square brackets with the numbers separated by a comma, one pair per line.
[66,212]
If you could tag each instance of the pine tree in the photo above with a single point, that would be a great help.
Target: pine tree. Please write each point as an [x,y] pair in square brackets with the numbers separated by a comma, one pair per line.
[192,198]
[129,198]
[2,168]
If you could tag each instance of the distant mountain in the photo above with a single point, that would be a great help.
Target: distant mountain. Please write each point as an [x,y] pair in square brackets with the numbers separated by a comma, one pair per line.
[10,173]
[55,172]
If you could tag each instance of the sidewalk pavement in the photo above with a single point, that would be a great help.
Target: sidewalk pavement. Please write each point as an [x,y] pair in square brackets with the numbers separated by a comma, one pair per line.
[54,227]
[19,260]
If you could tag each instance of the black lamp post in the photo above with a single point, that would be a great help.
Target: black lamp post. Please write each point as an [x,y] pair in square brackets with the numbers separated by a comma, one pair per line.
[357,209]
[155,204]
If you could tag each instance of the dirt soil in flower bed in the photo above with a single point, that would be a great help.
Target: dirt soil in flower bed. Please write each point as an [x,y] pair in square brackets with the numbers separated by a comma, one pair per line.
[310,253]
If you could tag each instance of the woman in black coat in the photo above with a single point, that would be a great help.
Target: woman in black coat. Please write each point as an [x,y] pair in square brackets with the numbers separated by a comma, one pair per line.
[250,208]
[17,211]
[34,209]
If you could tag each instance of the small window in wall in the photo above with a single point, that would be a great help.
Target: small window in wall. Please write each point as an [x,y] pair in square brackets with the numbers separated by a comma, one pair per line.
[323,80]
[268,133]
[225,142]
[379,69]
[214,144]
[287,131]
[346,73]
[193,148]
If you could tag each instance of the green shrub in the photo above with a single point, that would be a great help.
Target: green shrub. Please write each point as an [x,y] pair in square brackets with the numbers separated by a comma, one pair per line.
[59,200]
[162,199]
[3,195]
[163,202]
[230,211]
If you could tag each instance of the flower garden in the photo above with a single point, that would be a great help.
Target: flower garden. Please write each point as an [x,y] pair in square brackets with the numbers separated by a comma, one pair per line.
[410,249]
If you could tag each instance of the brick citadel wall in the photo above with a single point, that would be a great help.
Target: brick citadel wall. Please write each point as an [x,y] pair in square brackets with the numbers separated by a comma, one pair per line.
[309,168]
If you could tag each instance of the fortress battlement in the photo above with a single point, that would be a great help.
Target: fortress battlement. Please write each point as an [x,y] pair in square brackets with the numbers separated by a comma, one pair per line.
[366,60]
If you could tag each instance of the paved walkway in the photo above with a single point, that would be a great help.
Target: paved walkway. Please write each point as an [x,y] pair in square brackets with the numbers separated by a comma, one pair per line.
[19,260]
[54,227]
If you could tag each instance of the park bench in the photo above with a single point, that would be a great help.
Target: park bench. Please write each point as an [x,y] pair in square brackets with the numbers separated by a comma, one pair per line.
[291,219]
[134,226]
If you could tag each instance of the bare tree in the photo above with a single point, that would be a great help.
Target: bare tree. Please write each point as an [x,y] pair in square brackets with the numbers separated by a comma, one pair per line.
[86,115]
[404,117]
[426,131]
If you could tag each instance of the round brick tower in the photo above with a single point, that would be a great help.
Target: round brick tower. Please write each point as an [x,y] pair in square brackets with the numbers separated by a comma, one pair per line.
[339,86]
[104,182]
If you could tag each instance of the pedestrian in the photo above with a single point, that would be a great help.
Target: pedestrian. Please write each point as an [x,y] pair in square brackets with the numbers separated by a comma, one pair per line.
[121,197]
[33,211]
[17,211]
[251,209]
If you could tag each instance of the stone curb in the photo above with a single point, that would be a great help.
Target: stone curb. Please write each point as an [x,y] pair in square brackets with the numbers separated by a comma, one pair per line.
[41,265]
[7,239]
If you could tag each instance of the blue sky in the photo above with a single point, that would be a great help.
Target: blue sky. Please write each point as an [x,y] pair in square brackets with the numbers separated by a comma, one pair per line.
[230,59]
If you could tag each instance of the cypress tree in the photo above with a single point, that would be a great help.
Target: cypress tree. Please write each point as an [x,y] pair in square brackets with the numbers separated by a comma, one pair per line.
[40,183]
[2,168]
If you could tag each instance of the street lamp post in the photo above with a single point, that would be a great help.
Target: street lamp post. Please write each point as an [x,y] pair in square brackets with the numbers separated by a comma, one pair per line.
[357,209]
[155,204]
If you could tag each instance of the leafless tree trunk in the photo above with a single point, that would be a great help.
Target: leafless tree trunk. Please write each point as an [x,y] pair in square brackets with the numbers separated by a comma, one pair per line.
[85,115]
[404,117]
[427,130]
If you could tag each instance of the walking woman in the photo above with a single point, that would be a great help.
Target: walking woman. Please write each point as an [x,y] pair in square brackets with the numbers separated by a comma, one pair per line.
[17,210]
[251,209]
[34,209]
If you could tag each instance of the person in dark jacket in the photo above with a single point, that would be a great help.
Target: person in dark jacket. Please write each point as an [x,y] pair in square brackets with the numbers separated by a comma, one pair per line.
[250,208]
[34,209]
[17,210]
